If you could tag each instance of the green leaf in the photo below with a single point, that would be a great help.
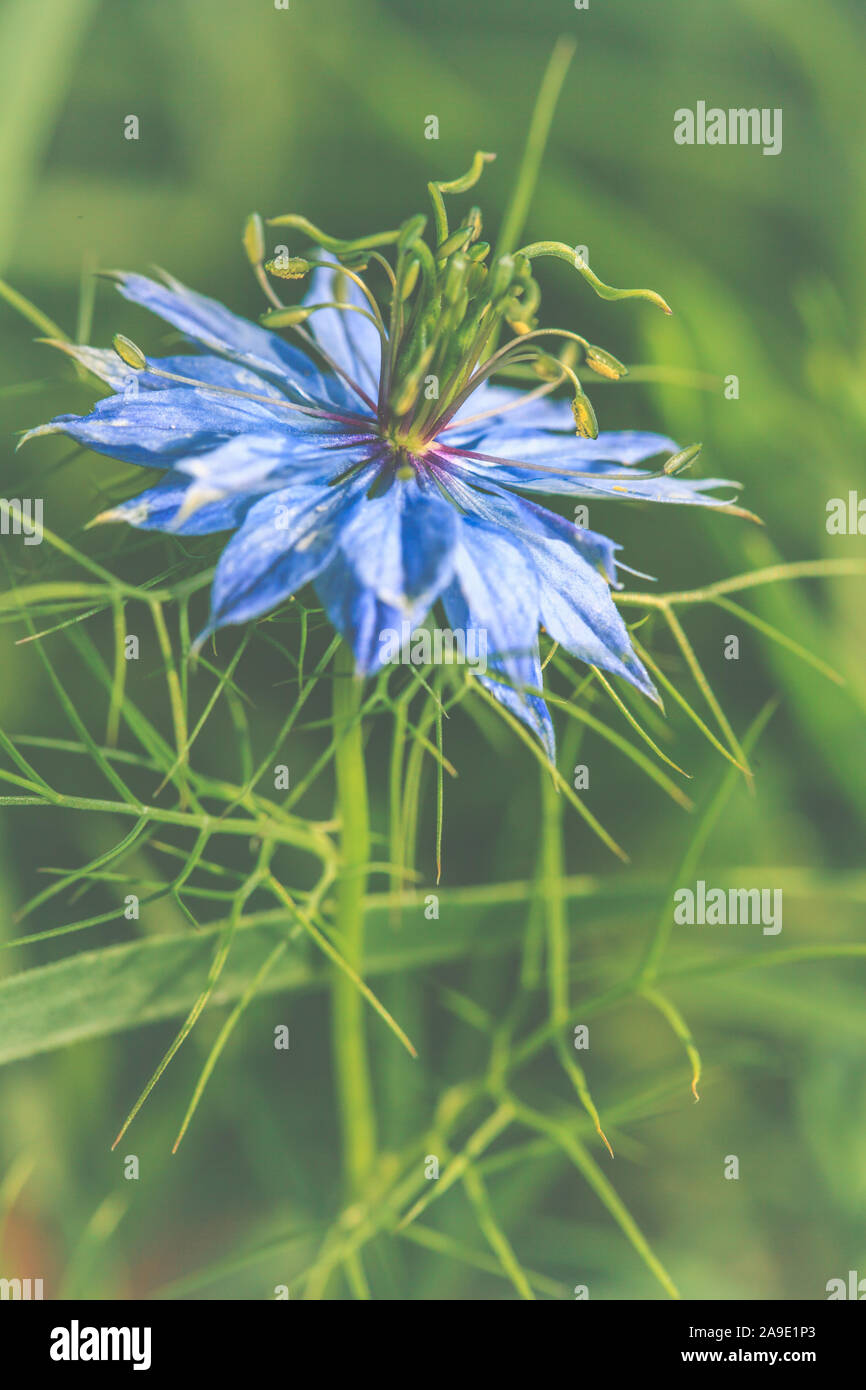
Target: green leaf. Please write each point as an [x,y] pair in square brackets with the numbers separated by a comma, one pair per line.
[95,993]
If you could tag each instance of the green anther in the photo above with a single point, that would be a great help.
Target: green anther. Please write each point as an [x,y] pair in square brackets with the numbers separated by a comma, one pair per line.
[128,352]
[501,276]
[406,397]
[291,268]
[584,417]
[406,391]
[473,220]
[455,276]
[457,241]
[604,363]
[423,257]
[476,278]
[286,318]
[522,315]
[410,279]
[479,251]
[254,239]
[677,463]
[410,232]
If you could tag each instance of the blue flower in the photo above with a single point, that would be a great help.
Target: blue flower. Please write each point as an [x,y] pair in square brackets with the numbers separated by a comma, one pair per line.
[382,466]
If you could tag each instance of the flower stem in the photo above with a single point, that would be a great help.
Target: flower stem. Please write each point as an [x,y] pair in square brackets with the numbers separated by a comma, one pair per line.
[354,1090]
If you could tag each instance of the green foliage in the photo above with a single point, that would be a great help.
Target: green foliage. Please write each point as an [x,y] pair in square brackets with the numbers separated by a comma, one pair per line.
[156,777]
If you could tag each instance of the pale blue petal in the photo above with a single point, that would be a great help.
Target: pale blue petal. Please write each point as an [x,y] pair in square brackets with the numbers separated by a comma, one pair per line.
[154,428]
[260,463]
[401,544]
[105,364]
[499,586]
[505,623]
[208,322]
[349,339]
[577,611]
[528,519]
[505,408]
[286,539]
[157,509]
[363,619]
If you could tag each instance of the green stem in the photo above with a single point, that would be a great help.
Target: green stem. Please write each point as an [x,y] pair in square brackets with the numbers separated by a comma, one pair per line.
[354,1089]
[552,874]
[521,198]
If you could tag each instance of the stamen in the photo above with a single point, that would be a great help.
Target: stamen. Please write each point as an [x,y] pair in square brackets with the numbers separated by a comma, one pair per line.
[546,468]
[535,395]
[125,356]
[462,185]
[331,243]
[493,362]
[571,257]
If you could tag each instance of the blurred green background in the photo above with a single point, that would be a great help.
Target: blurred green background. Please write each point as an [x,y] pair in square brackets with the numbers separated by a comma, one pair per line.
[320,109]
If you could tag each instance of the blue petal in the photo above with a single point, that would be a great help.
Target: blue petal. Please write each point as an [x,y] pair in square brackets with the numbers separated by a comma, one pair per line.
[505,408]
[260,463]
[526,518]
[494,593]
[569,465]
[529,709]
[515,441]
[155,427]
[105,364]
[574,569]
[158,507]
[500,589]
[401,545]
[286,539]
[578,612]
[209,322]
[349,339]
[363,619]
